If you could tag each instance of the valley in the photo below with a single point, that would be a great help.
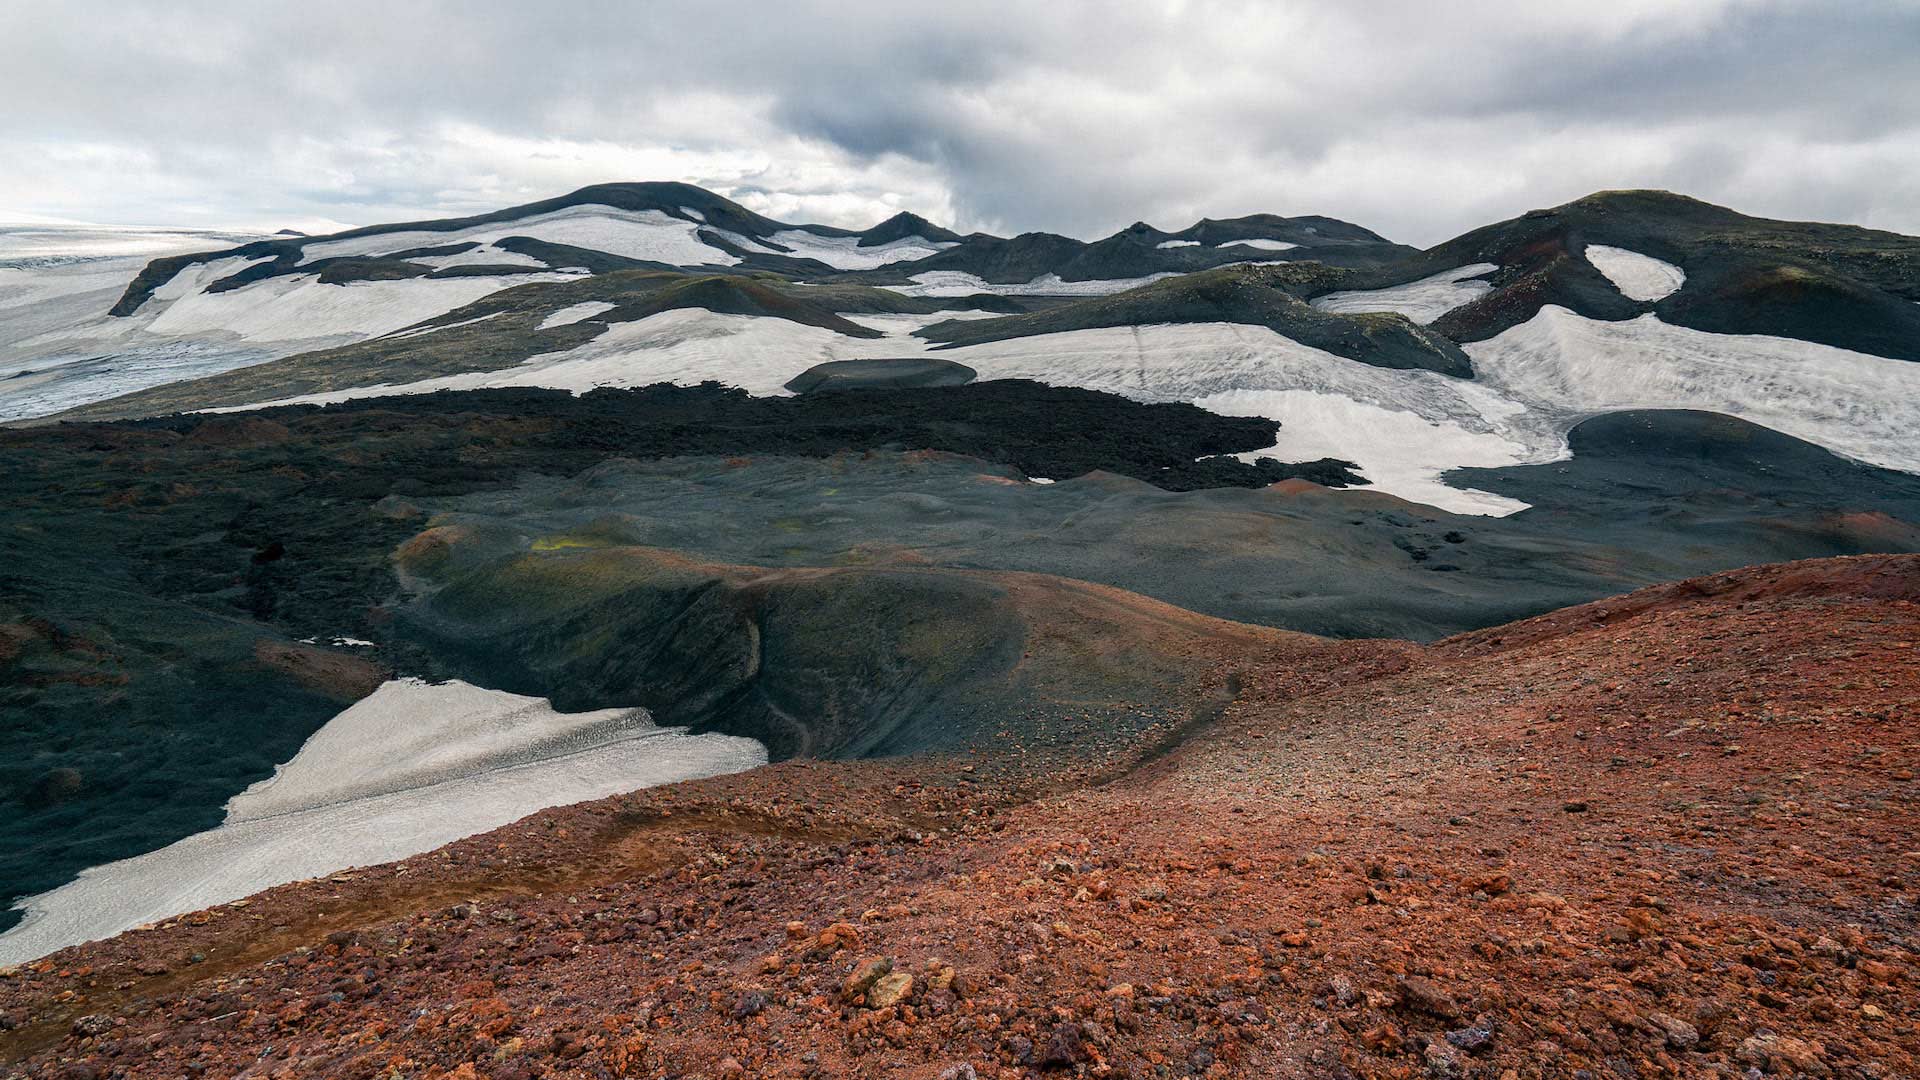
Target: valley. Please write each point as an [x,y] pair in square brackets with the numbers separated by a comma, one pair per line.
[599,634]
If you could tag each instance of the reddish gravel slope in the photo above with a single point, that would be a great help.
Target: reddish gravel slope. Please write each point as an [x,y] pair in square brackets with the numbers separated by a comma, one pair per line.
[1668,834]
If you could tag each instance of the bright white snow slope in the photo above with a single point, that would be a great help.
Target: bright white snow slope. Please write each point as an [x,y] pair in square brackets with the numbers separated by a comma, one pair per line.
[961,283]
[409,768]
[1637,276]
[1422,301]
[648,235]
[1866,407]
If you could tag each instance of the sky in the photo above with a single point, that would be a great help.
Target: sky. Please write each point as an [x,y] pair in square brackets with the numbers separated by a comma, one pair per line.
[1419,120]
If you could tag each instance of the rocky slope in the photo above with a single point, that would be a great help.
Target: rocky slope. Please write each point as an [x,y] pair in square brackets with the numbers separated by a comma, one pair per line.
[1660,835]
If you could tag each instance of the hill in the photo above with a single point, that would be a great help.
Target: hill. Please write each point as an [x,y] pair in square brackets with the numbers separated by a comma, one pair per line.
[1838,285]
[1507,851]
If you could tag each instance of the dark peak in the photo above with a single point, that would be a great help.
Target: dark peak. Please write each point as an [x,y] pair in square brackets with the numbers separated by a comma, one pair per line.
[1251,219]
[1309,230]
[661,192]
[1045,238]
[1137,233]
[668,195]
[905,224]
[1644,202]
[1641,197]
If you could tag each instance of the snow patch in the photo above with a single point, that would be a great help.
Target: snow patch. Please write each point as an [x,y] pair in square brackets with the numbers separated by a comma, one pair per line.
[961,283]
[686,346]
[1637,276]
[573,313]
[1165,244]
[484,255]
[1403,427]
[298,307]
[1264,245]
[1866,407]
[742,240]
[694,214]
[1422,301]
[419,330]
[1397,450]
[845,252]
[408,769]
[196,277]
[648,235]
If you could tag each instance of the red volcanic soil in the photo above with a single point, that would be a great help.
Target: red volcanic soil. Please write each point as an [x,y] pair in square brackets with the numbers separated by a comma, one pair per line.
[1668,834]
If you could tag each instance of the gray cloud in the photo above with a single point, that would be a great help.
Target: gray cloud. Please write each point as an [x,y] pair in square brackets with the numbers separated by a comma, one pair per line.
[1416,119]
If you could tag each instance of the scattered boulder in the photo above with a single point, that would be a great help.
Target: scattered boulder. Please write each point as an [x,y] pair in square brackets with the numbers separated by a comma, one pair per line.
[890,990]
[751,1003]
[1680,1035]
[1783,1055]
[1065,1048]
[1421,995]
[865,975]
[92,1025]
[1473,1038]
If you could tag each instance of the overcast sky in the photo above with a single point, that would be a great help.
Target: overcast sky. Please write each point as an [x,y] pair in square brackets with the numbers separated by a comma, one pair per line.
[1417,119]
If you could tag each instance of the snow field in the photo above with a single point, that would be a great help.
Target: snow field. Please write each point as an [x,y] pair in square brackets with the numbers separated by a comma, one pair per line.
[408,769]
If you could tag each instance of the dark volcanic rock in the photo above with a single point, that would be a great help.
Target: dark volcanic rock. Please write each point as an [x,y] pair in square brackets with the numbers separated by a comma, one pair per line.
[1628,465]
[904,373]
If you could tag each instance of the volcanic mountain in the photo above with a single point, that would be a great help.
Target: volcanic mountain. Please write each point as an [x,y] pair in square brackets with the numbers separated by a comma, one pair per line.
[1253,649]
[1481,352]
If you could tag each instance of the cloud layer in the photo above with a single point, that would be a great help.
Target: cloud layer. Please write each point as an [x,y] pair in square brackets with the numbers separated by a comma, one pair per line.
[1419,120]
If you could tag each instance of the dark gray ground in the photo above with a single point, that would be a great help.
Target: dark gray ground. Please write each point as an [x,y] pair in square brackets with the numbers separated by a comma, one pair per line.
[1648,497]
[904,372]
